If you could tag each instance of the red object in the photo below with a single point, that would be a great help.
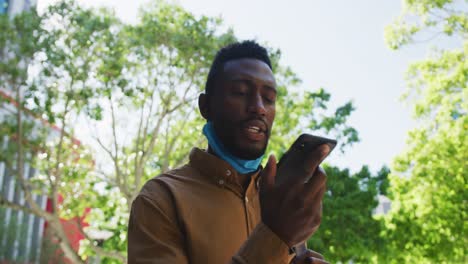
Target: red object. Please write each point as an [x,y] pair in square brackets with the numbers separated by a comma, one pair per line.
[72,230]
[70,226]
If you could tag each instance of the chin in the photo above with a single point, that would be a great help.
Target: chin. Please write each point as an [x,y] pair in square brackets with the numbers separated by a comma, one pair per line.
[241,147]
[249,153]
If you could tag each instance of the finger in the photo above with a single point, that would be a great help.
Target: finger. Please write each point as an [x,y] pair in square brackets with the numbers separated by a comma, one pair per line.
[312,260]
[316,198]
[300,249]
[313,254]
[316,183]
[267,180]
[315,157]
[317,208]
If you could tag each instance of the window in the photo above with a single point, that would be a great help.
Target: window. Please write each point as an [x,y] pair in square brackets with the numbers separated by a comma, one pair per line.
[3,6]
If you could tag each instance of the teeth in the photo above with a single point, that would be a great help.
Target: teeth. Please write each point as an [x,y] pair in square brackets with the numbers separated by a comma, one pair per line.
[254,129]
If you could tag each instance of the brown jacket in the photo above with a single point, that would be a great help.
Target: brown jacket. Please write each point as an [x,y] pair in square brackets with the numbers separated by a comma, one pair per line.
[201,214]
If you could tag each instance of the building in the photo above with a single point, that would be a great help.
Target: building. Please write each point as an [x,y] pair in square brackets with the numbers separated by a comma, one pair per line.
[22,234]
[13,7]
[24,237]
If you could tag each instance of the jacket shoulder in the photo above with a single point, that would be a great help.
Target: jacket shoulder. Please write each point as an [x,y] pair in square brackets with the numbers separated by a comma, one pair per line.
[170,181]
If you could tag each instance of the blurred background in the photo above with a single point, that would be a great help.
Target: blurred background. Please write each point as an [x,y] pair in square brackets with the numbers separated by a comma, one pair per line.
[97,97]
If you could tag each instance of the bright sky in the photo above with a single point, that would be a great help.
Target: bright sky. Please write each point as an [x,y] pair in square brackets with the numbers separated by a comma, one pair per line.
[333,44]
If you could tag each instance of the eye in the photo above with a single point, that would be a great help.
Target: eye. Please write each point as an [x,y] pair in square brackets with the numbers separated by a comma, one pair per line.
[269,100]
[240,93]
[239,90]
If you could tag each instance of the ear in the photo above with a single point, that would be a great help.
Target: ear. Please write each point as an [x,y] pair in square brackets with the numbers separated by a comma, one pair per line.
[204,106]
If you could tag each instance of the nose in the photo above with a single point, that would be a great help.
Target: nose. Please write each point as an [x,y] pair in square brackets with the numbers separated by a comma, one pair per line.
[256,104]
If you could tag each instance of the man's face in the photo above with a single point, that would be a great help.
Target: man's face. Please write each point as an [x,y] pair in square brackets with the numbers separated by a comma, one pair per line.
[242,107]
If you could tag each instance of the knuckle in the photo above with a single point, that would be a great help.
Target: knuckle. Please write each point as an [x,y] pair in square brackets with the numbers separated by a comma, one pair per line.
[301,202]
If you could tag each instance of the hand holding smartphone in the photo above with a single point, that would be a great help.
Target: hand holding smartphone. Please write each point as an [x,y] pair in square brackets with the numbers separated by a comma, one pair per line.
[291,208]
[293,162]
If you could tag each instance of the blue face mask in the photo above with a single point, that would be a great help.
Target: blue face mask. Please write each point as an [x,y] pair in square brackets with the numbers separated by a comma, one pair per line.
[240,165]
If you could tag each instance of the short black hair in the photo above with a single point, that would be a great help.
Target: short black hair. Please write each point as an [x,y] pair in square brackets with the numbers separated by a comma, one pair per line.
[247,49]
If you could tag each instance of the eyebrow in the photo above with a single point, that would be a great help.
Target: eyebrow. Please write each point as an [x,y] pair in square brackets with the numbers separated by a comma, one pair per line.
[269,85]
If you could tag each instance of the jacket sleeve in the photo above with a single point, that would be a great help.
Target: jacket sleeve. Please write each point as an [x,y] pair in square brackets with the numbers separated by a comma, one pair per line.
[263,246]
[155,236]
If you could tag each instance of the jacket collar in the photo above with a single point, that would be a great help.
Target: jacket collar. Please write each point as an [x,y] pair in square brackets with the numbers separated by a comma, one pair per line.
[218,171]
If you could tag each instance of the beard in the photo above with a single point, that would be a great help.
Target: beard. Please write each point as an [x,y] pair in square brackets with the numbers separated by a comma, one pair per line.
[233,140]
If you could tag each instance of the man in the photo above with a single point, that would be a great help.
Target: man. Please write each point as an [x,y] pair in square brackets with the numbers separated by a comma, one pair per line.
[222,207]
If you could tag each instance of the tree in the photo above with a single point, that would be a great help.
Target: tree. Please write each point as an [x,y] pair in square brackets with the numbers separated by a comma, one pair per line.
[349,232]
[428,180]
[61,52]
[132,89]
[171,51]
[145,112]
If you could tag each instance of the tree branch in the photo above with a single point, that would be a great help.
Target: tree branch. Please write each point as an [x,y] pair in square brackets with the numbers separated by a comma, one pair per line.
[148,151]
[170,143]
[64,243]
[139,137]
[20,161]
[99,250]
[17,207]
[184,157]
[118,172]
[58,158]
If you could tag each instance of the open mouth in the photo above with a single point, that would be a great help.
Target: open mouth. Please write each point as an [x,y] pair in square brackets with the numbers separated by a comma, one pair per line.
[255,130]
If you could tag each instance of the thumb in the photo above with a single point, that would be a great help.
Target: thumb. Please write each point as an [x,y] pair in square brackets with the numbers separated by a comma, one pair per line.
[269,173]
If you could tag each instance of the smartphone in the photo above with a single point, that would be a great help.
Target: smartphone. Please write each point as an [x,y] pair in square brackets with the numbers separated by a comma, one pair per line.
[292,162]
